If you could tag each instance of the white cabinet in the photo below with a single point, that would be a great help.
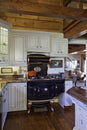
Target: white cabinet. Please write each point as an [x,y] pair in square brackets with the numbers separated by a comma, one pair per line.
[4,105]
[59,47]
[64,98]
[38,42]
[18,49]
[4,42]
[17,96]
[80,116]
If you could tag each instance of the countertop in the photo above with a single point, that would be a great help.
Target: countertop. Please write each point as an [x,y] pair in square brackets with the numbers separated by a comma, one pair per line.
[66,79]
[78,93]
[3,82]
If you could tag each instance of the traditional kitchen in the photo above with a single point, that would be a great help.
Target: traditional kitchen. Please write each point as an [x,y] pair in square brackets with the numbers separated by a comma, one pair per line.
[42,84]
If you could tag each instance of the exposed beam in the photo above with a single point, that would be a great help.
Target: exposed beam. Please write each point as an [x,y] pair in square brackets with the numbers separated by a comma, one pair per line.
[70,26]
[77,30]
[66,2]
[82,1]
[33,22]
[75,48]
[30,8]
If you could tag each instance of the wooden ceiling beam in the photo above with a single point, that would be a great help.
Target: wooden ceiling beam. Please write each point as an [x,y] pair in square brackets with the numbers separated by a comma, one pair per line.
[75,48]
[70,25]
[66,2]
[39,9]
[76,30]
[23,16]
[48,2]
[35,23]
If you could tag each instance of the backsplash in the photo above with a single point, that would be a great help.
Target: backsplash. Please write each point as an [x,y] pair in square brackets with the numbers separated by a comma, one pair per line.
[12,70]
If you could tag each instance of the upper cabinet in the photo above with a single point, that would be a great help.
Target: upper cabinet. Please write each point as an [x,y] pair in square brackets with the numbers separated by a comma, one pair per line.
[4,42]
[38,42]
[59,47]
[18,49]
[35,42]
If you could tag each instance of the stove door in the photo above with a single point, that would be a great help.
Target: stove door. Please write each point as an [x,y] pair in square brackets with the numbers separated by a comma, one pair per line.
[40,91]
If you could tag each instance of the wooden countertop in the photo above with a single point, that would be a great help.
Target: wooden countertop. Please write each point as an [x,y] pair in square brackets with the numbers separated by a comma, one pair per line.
[78,93]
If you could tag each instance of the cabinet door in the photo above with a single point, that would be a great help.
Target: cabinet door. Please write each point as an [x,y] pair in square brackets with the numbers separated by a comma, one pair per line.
[44,43]
[59,47]
[38,42]
[21,96]
[63,47]
[12,97]
[17,96]
[54,47]
[64,98]
[4,105]
[20,50]
[80,118]
[33,42]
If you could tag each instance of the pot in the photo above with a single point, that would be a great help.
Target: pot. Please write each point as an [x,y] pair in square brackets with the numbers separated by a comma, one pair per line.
[31,73]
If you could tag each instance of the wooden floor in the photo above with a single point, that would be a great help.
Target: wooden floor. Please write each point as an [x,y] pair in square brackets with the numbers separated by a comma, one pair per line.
[60,119]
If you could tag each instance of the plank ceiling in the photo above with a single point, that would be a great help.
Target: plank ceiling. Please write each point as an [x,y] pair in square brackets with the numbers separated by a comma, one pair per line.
[65,16]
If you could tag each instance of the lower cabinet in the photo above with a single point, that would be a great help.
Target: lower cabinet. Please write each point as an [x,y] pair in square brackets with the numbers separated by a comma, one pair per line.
[80,116]
[4,105]
[64,98]
[17,96]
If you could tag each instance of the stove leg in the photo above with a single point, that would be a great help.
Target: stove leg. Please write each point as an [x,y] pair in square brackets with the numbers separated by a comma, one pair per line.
[29,106]
[51,103]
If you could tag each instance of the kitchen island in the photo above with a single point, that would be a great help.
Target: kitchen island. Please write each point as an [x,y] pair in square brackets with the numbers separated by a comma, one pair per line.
[79,98]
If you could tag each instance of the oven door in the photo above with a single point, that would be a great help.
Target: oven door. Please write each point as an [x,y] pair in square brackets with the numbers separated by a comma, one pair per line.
[40,90]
